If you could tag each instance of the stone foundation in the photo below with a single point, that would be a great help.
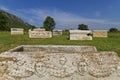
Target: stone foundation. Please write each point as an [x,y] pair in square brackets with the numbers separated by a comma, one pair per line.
[52,62]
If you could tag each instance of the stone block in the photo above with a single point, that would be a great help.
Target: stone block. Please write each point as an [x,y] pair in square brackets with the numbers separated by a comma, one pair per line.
[100,33]
[80,35]
[17,31]
[50,62]
[39,33]
[57,32]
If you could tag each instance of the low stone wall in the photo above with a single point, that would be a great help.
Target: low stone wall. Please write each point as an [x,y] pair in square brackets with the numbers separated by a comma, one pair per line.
[57,32]
[100,33]
[40,34]
[80,35]
[17,31]
[56,63]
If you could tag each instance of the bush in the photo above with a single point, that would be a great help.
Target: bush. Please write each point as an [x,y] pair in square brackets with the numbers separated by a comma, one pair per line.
[113,30]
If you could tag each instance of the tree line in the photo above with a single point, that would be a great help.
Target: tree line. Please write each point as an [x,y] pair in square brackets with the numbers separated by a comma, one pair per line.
[49,25]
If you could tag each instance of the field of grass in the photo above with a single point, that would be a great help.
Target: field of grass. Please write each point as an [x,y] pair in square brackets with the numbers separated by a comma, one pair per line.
[8,41]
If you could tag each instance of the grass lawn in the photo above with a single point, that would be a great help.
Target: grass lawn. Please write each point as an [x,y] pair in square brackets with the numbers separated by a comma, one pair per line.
[8,41]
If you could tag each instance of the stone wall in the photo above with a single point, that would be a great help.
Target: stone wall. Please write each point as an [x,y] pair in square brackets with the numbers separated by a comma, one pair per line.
[100,33]
[80,35]
[17,31]
[39,33]
[57,32]
[63,65]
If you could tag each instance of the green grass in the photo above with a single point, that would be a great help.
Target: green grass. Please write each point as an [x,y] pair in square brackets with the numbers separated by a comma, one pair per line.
[8,41]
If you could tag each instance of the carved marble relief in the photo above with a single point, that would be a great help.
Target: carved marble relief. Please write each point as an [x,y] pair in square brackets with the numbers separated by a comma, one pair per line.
[58,66]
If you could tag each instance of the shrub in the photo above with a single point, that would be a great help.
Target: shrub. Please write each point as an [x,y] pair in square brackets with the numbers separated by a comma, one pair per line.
[113,30]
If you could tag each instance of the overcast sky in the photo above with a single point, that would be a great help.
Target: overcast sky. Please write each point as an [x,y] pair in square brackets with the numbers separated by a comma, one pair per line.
[97,14]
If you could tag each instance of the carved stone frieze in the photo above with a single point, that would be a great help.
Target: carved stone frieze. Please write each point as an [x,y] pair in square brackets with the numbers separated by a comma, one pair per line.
[59,65]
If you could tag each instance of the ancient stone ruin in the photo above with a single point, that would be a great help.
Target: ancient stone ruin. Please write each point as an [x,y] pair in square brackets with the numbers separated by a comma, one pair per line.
[17,31]
[50,62]
[39,33]
[100,33]
[80,35]
[57,32]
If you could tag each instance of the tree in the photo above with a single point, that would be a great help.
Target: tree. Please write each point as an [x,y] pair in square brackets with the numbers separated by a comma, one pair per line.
[113,30]
[49,23]
[3,22]
[83,27]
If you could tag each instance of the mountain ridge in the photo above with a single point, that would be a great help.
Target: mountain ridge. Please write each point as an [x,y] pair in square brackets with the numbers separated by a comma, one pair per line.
[14,21]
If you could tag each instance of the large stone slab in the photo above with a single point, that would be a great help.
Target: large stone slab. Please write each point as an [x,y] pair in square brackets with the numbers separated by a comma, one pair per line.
[17,31]
[39,33]
[100,33]
[52,62]
[80,35]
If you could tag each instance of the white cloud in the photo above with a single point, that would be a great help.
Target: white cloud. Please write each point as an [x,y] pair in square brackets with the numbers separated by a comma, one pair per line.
[64,20]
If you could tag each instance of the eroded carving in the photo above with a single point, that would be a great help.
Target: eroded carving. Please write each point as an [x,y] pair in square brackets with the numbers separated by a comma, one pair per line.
[59,65]
[40,69]
[82,67]
[100,65]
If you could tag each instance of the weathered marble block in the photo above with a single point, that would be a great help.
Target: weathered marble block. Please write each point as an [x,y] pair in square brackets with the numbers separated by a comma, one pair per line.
[50,62]
[39,33]
[100,33]
[17,31]
[80,35]
[57,32]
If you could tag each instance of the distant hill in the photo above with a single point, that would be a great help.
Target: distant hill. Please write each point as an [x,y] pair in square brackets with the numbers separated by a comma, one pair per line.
[15,22]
